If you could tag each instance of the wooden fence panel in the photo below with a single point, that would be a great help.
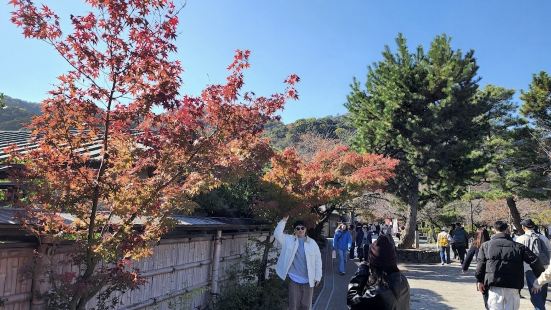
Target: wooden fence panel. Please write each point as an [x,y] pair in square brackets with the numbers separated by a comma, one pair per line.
[178,274]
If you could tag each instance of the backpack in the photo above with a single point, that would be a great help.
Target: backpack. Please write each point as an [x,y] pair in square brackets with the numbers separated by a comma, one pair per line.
[443,240]
[460,237]
[538,246]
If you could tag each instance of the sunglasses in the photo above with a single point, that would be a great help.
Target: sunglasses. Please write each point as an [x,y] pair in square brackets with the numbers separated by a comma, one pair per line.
[300,228]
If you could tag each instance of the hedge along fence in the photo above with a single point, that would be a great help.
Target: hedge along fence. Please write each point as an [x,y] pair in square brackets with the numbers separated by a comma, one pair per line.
[185,270]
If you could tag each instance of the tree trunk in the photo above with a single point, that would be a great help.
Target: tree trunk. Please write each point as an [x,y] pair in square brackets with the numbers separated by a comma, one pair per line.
[512,204]
[319,226]
[411,224]
[261,276]
[433,233]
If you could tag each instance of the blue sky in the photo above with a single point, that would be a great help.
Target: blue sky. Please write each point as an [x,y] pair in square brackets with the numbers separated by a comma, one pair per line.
[325,42]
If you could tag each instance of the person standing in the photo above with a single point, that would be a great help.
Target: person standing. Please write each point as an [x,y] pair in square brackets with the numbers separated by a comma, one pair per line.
[500,270]
[367,238]
[386,230]
[378,283]
[300,260]
[539,244]
[341,243]
[443,240]
[461,241]
[352,231]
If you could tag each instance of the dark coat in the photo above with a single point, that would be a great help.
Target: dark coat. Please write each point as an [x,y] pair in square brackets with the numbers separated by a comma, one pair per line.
[500,262]
[460,237]
[359,236]
[361,296]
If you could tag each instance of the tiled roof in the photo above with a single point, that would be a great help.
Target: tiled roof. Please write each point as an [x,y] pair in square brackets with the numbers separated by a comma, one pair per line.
[24,143]
[8,216]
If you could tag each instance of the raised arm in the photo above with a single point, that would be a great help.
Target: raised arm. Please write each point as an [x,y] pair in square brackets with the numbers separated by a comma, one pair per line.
[278,232]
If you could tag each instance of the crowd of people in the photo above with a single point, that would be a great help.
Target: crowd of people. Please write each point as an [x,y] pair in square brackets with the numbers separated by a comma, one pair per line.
[504,263]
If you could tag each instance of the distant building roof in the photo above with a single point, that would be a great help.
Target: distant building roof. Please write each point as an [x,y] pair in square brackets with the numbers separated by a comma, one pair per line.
[24,142]
[9,217]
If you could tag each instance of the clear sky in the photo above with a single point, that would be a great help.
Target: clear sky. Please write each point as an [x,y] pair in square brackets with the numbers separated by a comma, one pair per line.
[325,42]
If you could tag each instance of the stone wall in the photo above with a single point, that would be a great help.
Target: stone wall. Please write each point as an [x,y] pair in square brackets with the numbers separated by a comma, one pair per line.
[418,256]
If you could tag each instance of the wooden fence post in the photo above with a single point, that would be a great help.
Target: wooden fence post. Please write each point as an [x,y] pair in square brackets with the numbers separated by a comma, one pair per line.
[216,262]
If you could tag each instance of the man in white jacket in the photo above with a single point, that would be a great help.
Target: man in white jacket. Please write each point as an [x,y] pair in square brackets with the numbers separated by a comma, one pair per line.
[300,259]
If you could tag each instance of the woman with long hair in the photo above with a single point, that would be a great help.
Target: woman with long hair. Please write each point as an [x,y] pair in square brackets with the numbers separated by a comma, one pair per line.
[378,283]
[481,236]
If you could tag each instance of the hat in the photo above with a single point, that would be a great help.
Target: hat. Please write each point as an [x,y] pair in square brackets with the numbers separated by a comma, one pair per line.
[382,253]
[528,223]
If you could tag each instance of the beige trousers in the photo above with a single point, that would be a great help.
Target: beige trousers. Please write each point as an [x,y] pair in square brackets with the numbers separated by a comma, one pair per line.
[300,296]
[502,298]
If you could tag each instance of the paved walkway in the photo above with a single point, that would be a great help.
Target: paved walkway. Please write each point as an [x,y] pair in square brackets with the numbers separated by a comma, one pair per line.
[432,286]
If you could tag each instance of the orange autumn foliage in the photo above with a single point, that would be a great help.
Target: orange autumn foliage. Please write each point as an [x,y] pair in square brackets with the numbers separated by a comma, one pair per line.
[330,177]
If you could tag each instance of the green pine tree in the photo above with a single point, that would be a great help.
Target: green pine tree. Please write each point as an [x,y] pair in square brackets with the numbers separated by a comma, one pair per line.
[422,108]
[537,107]
[516,167]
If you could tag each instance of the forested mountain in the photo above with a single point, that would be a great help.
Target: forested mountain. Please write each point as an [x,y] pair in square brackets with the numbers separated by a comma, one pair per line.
[330,127]
[17,113]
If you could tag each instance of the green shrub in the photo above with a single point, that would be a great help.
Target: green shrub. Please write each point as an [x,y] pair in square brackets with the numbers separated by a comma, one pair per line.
[272,295]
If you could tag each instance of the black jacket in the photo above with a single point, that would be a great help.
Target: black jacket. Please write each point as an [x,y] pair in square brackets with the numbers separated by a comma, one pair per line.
[460,237]
[500,262]
[361,296]
[359,236]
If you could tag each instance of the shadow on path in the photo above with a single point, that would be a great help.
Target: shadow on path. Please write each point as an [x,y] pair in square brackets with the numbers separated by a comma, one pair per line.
[426,299]
[436,272]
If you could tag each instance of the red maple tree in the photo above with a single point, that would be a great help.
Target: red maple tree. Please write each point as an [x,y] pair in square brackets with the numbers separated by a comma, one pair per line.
[148,165]
[330,177]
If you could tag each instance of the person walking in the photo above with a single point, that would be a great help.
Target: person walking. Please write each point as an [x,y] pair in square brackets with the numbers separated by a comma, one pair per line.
[352,231]
[443,241]
[300,260]
[378,283]
[539,244]
[452,245]
[481,236]
[341,243]
[359,241]
[461,241]
[500,270]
